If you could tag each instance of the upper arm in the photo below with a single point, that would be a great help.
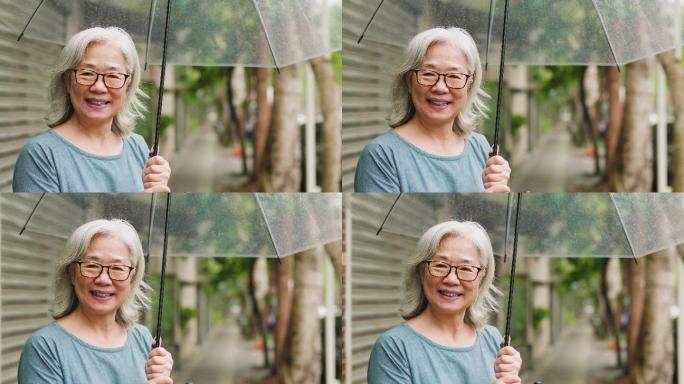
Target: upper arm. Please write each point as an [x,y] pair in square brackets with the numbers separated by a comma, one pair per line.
[375,171]
[388,364]
[35,171]
[39,364]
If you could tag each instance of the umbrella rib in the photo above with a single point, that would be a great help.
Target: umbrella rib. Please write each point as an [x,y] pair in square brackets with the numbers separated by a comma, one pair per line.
[495,146]
[31,214]
[489,31]
[624,229]
[605,32]
[150,21]
[369,22]
[268,41]
[507,334]
[157,127]
[162,278]
[30,19]
[387,215]
[268,226]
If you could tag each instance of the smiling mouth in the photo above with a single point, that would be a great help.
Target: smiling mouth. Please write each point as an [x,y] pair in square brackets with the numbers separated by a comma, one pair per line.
[450,294]
[439,103]
[101,295]
[97,103]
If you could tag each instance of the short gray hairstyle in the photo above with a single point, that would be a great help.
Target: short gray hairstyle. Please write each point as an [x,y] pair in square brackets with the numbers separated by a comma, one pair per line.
[402,105]
[414,301]
[61,108]
[66,300]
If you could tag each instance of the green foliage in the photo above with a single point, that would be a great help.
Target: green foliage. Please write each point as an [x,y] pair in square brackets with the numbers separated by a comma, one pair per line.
[517,121]
[187,314]
[538,315]
[168,315]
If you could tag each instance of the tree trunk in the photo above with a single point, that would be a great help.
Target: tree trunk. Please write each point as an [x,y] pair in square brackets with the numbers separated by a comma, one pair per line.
[283,171]
[614,124]
[331,105]
[262,122]
[590,124]
[235,118]
[283,311]
[675,78]
[637,149]
[657,344]
[610,314]
[635,283]
[303,344]
[258,319]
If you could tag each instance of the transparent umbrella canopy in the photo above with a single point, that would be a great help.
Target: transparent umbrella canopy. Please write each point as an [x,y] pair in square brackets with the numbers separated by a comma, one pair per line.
[205,224]
[256,33]
[627,225]
[538,32]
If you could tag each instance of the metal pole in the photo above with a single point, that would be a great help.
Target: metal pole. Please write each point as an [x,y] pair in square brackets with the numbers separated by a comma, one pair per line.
[310,132]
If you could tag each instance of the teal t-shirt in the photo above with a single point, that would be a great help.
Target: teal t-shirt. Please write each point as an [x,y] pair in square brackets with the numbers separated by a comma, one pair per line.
[54,356]
[389,163]
[402,356]
[49,163]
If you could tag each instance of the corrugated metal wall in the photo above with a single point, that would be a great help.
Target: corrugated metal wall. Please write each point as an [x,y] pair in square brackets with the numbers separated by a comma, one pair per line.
[376,268]
[366,77]
[24,74]
[26,273]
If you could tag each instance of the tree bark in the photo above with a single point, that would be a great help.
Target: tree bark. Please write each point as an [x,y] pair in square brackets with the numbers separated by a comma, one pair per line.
[283,171]
[635,283]
[235,119]
[331,105]
[637,148]
[303,344]
[263,121]
[258,319]
[590,123]
[614,124]
[675,78]
[657,343]
[283,311]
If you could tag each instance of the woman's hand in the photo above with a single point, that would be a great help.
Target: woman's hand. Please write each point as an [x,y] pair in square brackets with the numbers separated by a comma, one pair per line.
[507,366]
[158,366]
[496,174]
[156,175]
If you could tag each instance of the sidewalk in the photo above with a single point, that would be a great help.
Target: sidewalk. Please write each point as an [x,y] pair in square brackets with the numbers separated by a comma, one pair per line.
[554,165]
[576,358]
[224,358]
[203,164]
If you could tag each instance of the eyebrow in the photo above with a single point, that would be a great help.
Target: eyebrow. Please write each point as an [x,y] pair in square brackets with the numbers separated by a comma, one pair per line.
[456,68]
[110,68]
[116,260]
[467,260]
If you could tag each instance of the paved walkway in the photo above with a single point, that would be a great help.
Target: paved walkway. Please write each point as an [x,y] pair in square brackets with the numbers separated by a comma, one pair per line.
[554,165]
[224,358]
[203,164]
[576,358]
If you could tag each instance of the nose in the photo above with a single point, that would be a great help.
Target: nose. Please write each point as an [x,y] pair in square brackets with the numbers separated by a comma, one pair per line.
[440,85]
[452,277]
[104,278]
[99,85]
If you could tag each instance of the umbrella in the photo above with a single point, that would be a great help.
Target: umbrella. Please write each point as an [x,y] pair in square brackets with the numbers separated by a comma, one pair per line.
[551,224]
[200,224]
[257,33]
[573,32]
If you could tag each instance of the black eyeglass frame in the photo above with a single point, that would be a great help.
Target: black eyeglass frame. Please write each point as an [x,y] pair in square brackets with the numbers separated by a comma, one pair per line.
[108,268]
[456,267]
[97,77]
[440,75]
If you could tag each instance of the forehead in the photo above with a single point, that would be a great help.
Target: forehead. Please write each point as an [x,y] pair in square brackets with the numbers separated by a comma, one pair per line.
[457,250]
[444,57]
[103,56]
[107,248]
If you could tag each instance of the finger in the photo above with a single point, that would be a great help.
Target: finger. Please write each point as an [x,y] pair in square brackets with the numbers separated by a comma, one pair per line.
[496,160]
[156,187]
[156,177]
[156,168]
[508,350]
[496,188]
[157,160]
[501,178]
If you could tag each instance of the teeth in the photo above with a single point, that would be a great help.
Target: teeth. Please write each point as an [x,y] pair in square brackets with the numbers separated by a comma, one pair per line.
[440,103]
[449,294]
[101,294]
[97,102]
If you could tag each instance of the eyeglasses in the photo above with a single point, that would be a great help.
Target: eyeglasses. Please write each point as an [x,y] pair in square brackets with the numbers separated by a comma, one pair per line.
[117,272]
[112,80]
[453,80]
[463,272]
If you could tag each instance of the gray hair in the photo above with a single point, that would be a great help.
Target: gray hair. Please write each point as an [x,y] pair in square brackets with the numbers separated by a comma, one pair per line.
[414,301]
[61,108]
[402,105]
[66,300]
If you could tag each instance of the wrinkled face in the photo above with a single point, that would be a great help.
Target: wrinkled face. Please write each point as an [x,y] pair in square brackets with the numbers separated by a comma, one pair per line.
[98,104]
[101,295]
[439,104]
[448,295]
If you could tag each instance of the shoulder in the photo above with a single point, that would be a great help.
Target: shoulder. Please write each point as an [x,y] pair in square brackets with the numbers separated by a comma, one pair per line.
[47,139]
[479,141]
[386,141]
[395,337]
[141,334]
[491,335]
[46,339]
[137,141]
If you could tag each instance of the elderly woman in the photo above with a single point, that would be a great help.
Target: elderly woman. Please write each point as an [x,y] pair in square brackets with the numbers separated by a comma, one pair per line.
[94,101]
[448,294]
[99,293]
[437,103]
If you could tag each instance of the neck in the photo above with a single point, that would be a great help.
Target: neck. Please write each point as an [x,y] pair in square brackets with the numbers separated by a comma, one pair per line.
[100,131]
[103,325]
[448,323]
[442,132]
